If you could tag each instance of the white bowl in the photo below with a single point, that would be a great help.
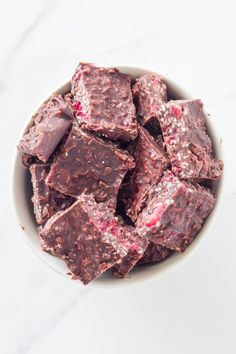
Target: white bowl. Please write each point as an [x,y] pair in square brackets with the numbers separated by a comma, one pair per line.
[22,192]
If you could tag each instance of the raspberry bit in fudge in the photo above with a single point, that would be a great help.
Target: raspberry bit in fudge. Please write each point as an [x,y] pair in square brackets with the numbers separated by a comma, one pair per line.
[74,236]
[51,125]
[150,162]
[88,164]
[46,200]
[103,102]
[154,253]
[150,91]
[127,236]
[187,143]
[174,213]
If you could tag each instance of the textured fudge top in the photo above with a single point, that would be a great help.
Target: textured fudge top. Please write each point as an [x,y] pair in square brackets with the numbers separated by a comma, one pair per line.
[128,237]
[74,236]
[188,145]
[52,123]
[46,200]
[154,253]
[150,91]
[175,212]
[89,164]
[103,102]
[150,162]
[106,221]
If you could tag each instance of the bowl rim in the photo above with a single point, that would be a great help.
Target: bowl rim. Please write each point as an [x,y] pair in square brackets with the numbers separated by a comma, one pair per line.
[146,273]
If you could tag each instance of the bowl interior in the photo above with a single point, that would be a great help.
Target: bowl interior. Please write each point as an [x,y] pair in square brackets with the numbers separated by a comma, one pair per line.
[22,193]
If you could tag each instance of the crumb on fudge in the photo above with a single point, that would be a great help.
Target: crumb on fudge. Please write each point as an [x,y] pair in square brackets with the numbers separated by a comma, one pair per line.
[174,212]
[89,164]
[103,102]
[154,253]
[187,143]
[150,91]
[151,160]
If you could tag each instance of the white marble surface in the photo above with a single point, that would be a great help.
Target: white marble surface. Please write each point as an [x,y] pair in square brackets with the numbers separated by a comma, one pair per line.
[190,311]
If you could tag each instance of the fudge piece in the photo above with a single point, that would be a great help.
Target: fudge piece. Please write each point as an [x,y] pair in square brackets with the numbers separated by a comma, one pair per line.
[54,104]
[150,162]
[187,143]
[174,212]
[108,223]
[103,102]
[88,164]
[129,238]
[150,92]
[43,138]
[46,200]
[75,236]
[154,253]
[136,247]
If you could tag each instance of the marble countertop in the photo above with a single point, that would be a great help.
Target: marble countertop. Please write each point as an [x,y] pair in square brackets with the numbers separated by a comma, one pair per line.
[193,309]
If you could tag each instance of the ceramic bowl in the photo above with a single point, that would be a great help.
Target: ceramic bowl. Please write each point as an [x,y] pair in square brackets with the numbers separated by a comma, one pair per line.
[22,192]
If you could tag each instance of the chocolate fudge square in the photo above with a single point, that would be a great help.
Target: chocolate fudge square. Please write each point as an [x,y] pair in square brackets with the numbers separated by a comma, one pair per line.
[187,143]
[88,164]
[127,236]
[154,253]
[74,236]
[150,91]
[150,162]
[46,134]
[54,104]
[103,102]
[46,200]
[174,213]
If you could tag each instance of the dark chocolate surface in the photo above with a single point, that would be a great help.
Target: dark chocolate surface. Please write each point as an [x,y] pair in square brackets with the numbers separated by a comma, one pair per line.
[46,200]
[89,164]
[126,235]
[154,253]
[74,236]
[187,143]
[150,91]
[79,237]
[45,135]
[150,162]
[29,160]
[50,107]
[174,213]
[103,102]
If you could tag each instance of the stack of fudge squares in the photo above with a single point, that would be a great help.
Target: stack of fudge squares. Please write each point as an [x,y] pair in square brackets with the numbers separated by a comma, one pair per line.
[117,172]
